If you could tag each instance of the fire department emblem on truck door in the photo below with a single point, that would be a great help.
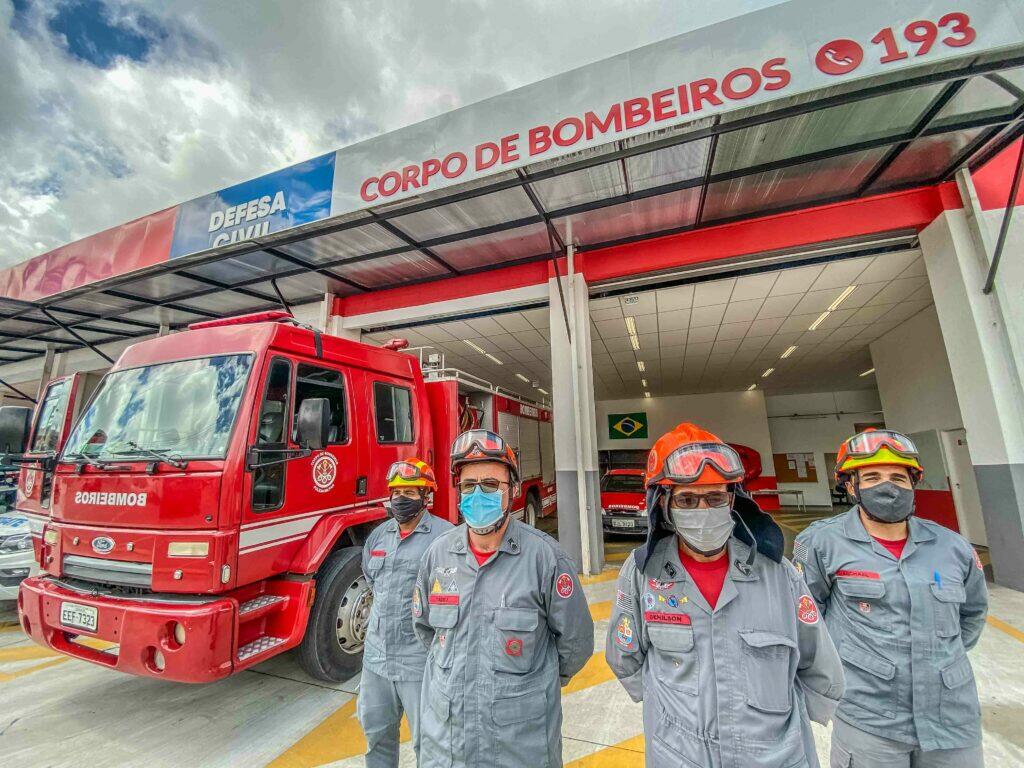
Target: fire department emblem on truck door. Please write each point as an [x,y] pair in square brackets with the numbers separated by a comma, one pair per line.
[325,470]
[30,481]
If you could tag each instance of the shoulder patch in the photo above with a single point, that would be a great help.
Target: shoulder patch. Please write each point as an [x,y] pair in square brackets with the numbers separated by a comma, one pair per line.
[417,602]
[625,634]
[564,586]
[977,559]
[807,610]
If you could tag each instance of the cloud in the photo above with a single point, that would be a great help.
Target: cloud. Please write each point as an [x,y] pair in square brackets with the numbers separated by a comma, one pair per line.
[115,109]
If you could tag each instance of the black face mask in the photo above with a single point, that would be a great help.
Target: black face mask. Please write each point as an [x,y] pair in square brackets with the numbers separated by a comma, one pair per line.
[404,509]
[886,502]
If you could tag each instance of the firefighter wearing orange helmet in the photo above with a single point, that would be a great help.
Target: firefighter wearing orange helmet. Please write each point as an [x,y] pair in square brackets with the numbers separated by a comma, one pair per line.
[712,628]
[393,659]
[904,599]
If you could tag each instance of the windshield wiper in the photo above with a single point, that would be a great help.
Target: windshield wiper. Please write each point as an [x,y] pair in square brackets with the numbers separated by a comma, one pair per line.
[165,456]
[81,458]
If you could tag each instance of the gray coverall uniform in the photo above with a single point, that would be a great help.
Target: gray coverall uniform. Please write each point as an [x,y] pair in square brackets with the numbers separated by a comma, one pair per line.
[903,628]
[733,687]
[502,638]
[393,657]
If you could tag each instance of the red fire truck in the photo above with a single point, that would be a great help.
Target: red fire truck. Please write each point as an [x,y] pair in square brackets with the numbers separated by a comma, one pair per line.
[208,507]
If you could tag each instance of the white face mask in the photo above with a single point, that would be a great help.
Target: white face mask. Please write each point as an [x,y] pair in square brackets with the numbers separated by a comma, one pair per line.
[705,530]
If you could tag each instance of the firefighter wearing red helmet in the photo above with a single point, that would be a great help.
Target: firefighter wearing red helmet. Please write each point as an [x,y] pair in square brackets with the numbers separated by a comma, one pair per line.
[904,599]
[393,659]
[712,628]
[499,605]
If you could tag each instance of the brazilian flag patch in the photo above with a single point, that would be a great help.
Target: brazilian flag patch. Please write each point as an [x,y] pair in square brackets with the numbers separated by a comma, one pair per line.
[627,426]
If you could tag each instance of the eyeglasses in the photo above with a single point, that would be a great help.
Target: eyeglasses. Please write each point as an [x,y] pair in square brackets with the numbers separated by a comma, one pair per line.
[487,485]
[687,500]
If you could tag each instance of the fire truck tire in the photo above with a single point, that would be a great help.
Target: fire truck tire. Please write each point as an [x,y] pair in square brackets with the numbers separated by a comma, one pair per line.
[332,649]
[531,512]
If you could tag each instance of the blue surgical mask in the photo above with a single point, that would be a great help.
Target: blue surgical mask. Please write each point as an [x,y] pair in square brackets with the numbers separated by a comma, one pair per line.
[482,510]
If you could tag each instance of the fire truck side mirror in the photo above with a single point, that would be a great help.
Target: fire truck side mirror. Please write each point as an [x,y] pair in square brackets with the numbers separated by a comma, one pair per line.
[314,423]
[15,423]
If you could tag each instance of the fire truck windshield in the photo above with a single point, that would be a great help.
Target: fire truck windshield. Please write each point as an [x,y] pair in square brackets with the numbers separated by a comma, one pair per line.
[186,408]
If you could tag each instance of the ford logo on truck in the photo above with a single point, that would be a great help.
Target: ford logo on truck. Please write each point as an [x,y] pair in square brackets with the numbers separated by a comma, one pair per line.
[103,545]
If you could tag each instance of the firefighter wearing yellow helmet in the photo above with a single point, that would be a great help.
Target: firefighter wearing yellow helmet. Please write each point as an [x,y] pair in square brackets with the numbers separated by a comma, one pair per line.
[393,659]
[905,599]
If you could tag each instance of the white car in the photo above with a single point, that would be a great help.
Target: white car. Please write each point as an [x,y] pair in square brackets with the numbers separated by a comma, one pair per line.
[17,560]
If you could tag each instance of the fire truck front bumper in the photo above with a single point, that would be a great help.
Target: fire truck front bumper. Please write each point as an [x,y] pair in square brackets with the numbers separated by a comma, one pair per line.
[187,641]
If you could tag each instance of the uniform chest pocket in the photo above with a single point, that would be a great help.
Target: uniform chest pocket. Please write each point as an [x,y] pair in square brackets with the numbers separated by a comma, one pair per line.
[674,660]
[443,618]
[768,663]
[516,640]
[865,600]
[947,604]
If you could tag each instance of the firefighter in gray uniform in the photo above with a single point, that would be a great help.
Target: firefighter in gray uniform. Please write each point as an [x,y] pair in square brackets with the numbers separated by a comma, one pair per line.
[712,629]
[905,599]
[393,657]
[506,622]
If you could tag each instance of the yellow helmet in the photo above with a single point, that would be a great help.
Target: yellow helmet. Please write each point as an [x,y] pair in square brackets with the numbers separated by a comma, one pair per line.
[411,473]
[874,447]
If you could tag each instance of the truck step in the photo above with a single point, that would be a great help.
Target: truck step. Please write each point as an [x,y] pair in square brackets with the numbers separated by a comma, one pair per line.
[262,604]
[258,646]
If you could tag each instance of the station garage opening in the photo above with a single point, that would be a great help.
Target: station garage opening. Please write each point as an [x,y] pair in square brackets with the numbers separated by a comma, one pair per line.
[784,265]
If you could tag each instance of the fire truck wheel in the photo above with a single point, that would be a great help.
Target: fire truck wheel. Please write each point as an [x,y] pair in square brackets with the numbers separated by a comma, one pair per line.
[332,649]
[532,511]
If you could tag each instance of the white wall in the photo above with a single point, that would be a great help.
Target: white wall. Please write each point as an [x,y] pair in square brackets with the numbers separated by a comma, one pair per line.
[817,423]
[736,417]
[913,375]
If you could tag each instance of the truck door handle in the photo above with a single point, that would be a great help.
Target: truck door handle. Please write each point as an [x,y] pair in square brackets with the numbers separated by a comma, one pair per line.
[361,485]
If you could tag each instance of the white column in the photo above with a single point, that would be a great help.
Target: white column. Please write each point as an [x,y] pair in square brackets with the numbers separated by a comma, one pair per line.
[572,393]
[982,336]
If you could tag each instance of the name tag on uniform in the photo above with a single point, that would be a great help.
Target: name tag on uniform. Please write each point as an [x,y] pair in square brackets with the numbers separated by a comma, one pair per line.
[443,599]
[658,617]
[846,573]
[378,552]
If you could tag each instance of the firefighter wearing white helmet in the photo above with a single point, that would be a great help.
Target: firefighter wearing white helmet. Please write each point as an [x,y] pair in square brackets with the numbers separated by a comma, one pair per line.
[904,599]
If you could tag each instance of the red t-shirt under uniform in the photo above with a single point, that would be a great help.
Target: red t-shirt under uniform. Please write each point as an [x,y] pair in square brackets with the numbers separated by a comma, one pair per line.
[894,546]
[481,557]
[709,577]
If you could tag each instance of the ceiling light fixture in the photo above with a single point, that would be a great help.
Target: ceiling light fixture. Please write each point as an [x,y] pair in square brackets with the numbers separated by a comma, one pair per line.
[751,387]
[643,383]
[475,346]
[641,365]
[842,297]
[522,378]
[631,326]
[647,394]
[767,373]
[542,391]
[868,372]
[635,341]
[820,320]
[492,358]
[787,353]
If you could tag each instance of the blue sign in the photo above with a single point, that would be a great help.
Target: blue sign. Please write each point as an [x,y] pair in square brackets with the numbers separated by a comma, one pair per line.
[254,209]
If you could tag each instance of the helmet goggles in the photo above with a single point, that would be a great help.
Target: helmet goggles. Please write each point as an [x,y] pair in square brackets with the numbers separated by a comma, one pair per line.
[410,473]
[686,463]
[867,444]
[479,443]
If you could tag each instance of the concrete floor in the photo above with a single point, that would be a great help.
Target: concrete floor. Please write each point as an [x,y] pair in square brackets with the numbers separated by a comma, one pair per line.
[58,712]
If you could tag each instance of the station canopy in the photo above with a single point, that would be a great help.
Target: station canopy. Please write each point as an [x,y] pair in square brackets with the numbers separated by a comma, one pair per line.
[891,131]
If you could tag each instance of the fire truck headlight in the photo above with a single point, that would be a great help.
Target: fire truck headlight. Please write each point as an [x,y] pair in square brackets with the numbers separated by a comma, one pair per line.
[188,549]
[179,633]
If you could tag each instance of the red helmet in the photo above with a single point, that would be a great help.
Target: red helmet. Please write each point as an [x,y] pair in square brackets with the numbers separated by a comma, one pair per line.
[483,445]
[689,455]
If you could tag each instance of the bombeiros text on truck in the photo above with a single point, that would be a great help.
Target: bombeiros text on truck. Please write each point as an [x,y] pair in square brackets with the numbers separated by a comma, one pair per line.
[206,509]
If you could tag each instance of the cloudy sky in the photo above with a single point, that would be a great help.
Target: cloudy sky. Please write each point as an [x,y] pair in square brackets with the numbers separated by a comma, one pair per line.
[111,109]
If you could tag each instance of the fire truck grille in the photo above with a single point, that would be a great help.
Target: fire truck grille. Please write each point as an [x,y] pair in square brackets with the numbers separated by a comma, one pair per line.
[116,573]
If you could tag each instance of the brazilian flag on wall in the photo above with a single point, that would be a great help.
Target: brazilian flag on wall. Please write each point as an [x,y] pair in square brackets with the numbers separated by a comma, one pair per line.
[627,426]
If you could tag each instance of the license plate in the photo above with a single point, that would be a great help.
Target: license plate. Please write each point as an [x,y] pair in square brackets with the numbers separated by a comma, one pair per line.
[616,523]
[78,616]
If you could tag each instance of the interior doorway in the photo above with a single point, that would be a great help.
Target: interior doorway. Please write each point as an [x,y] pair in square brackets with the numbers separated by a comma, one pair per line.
[964,486]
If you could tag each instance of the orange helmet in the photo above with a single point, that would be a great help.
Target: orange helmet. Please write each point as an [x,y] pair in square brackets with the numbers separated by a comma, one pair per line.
[874,447]
[484,445]
[689,455]
[411,473]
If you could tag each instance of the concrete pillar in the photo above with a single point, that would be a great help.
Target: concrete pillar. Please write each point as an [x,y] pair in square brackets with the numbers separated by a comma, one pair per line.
[48,370]
[979,334]
[575,429]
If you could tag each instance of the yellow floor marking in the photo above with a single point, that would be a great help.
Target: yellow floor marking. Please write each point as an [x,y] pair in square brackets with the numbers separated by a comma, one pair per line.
[337,737]
[616,557]
[594,672]
[7,677]
[1013,632]
[25,653]
[602,610]
[625,754]
[609,574]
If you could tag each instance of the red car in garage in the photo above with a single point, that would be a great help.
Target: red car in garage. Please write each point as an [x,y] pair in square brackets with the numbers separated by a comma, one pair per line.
[623,505]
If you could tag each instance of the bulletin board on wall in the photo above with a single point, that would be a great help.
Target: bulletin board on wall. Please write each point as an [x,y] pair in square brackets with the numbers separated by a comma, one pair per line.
[795,468]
